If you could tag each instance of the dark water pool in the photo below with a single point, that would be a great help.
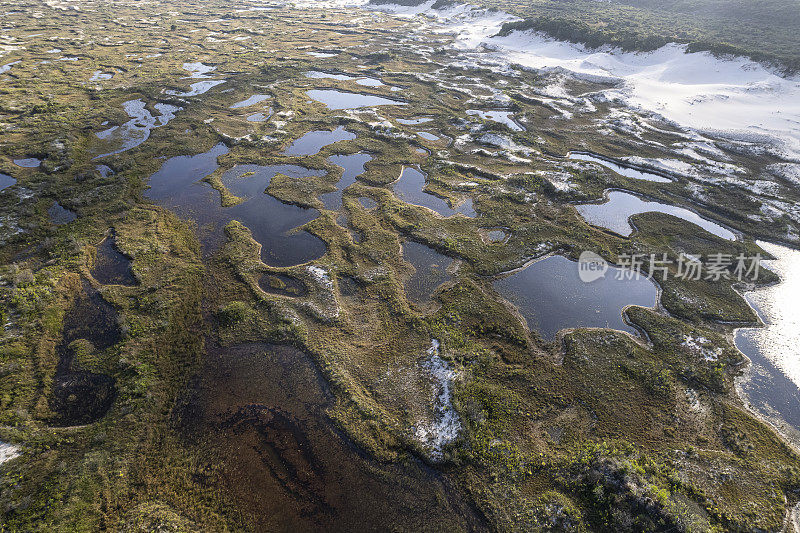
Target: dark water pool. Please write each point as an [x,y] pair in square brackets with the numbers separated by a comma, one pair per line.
[176,186]
[551,296]
[409,188]
[60,215]
[314,141]
[430,271]
[286,465]
[353,166]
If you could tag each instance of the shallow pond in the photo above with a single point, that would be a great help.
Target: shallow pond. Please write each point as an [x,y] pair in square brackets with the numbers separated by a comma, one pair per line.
[622,170]
[502,117]
[60,215]
[99,75]
[104,170]
[271,220]
[316,74]
[353,166]
[259,117]
[369,82]
[414,121]
[176,186]
[409,188]
[80,397]
[28,162]
[430,271]
[5,68]
[285,464]
[112,267]
[335,99]
[427,136]
[620,206]
[322,55]
[773,379]
[6,181]
[551,296]
[137,129]
[253,100]
[361,80]
[314,141]
[282,285]
[198,70]
[196,89]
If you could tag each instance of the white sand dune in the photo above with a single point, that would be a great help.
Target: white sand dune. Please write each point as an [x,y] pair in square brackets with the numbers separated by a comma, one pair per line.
[732,97]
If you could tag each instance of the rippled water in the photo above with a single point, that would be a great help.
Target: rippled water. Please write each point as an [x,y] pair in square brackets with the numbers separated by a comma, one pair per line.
[774,350]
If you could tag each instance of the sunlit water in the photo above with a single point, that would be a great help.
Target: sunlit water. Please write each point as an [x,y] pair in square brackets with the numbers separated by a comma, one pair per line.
[414,121]
[772,382]
[627,171]
[344,100]
[503,117]
[28,162]
[137,130]
[620,206]
[253,100]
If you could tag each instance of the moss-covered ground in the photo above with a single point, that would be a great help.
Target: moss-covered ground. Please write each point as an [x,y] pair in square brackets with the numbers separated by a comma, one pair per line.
[595,430]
